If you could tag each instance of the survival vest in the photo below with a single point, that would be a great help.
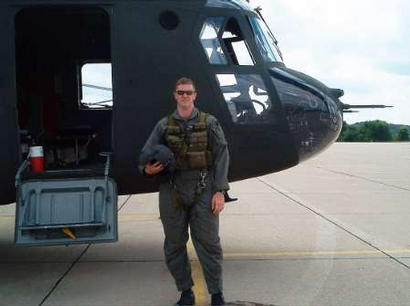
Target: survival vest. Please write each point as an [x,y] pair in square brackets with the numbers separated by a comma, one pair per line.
[190,146]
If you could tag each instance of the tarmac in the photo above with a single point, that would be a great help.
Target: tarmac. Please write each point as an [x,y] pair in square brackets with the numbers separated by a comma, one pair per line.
[334,230]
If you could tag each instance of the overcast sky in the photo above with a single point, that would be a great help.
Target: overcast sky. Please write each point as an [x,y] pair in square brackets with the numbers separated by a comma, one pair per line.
[360,46]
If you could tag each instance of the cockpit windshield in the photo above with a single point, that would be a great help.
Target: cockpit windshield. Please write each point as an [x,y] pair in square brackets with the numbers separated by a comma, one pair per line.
[265,41]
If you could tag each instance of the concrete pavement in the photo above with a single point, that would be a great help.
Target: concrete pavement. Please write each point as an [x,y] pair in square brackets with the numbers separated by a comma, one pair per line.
[331,231]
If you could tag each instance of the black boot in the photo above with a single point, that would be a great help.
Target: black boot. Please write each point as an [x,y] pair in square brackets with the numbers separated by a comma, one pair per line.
[218,299]
[187,298]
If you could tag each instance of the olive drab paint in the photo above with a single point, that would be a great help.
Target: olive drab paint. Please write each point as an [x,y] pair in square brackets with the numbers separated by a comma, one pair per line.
[189,146]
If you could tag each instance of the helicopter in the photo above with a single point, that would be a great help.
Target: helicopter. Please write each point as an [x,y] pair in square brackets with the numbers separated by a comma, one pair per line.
[53,55]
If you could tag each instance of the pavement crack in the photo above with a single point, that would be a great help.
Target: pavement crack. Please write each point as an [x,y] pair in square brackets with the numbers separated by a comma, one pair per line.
[74,263]
[361,177]
[125,202]
[334,223]
[64,275]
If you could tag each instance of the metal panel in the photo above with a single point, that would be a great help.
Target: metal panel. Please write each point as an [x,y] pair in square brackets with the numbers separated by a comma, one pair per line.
[66,211]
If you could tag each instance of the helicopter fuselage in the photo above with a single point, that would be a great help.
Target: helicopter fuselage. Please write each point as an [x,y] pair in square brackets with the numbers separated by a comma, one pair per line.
[273,117]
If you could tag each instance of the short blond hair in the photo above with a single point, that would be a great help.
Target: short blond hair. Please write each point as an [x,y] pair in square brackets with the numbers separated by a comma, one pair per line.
[185,81]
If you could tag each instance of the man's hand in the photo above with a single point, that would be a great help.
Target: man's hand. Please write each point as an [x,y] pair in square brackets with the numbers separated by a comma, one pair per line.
[152,169]
[218,203]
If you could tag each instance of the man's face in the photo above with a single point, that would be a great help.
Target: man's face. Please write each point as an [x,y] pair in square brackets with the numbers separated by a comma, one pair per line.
[185,96]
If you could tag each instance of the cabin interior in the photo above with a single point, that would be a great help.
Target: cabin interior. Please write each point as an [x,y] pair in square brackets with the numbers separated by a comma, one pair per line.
[64,84]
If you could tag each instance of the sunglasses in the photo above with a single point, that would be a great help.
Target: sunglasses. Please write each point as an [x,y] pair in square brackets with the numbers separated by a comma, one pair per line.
[187,92]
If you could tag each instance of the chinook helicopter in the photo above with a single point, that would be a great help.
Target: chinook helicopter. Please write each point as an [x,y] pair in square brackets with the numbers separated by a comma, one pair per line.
[53,55]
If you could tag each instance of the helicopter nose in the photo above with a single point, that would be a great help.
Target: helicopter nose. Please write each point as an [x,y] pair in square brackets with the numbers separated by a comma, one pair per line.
[322,127]
[313,117]
[317,128]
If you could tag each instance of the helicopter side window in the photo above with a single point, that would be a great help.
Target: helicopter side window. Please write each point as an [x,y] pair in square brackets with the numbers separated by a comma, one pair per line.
[246,97]
[215,40]
[210,42]
[96,86]
[234,42]
[265,41]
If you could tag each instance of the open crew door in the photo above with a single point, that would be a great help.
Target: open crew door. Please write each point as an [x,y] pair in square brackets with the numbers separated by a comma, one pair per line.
[65,106]
[9,152]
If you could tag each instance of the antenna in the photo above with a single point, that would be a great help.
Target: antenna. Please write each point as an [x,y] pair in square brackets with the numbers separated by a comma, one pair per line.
[349,106]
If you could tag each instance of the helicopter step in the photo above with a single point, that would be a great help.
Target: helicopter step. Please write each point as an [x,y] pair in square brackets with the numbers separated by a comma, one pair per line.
[65,207]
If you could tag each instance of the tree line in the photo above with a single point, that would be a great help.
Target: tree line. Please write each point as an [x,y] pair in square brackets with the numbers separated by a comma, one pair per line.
[373,131]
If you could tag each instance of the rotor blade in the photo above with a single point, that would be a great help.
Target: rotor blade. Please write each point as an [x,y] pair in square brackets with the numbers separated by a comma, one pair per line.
[97,87]
[97,103]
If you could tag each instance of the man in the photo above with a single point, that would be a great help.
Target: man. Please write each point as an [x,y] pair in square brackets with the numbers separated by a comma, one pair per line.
[193,194]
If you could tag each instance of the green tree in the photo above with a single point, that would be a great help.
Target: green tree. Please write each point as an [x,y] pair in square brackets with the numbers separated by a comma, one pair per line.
[350,134]
[376,130]
[403,135]
[367,131]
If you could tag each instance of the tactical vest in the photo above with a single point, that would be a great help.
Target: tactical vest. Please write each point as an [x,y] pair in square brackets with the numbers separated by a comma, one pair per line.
[189,146]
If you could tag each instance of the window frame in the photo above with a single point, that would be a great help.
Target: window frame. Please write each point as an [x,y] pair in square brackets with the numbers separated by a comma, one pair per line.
[228,62]
[260,18]
[221,40]
[80,65]
[236,74]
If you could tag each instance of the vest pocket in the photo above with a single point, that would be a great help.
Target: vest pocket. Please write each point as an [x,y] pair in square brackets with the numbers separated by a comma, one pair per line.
[200,137]
[196,160]
[174,143]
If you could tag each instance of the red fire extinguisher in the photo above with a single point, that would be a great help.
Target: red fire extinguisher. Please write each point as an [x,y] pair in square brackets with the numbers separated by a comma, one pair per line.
[36,159]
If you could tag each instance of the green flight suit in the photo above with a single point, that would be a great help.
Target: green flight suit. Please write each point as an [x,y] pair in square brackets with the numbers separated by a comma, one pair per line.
[204,225]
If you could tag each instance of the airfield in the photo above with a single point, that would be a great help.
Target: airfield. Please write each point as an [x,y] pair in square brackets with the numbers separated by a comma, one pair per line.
[334,230]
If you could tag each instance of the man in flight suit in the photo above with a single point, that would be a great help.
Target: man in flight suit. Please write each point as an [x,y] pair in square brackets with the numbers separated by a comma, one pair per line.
[194,193]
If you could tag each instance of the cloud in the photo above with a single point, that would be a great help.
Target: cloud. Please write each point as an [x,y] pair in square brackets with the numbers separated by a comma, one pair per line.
[359,46]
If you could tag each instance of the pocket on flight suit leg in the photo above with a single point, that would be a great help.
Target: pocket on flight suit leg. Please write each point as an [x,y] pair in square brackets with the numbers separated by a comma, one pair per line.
[204,223]
[173,218]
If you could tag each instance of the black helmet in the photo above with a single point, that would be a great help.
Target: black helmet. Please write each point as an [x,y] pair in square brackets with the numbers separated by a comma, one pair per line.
[159,153]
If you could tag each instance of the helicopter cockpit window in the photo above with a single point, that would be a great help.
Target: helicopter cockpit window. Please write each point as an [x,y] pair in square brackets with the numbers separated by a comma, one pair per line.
[235,44]
[96,86]
[246,97]
[265,41]
[215,40]
[210,42]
